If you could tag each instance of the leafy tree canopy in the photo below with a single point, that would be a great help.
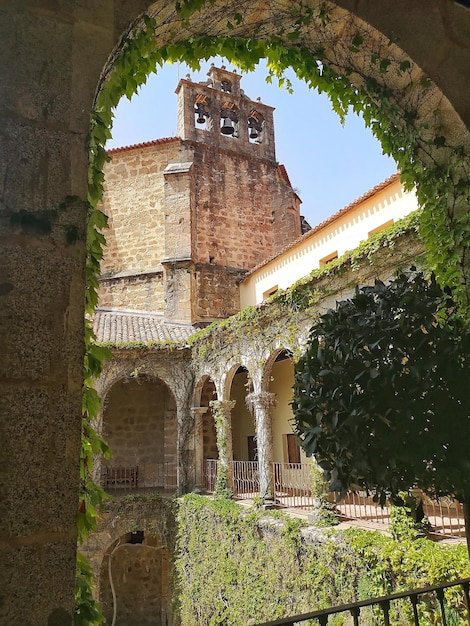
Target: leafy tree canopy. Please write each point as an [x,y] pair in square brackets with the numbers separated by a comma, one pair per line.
[381,394]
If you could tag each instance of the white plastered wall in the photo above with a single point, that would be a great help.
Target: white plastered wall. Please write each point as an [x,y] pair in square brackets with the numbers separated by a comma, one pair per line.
[336,236]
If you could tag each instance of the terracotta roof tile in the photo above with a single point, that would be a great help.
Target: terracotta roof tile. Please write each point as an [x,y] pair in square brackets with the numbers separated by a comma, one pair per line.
[283,174]
[132,326]
[144,144]
[336,216]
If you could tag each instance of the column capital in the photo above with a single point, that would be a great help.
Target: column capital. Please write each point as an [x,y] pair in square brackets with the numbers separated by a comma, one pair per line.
[225,406]
[260,400]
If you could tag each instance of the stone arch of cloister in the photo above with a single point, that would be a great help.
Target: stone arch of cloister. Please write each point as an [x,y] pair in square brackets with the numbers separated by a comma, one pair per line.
[52,60]
[139,537]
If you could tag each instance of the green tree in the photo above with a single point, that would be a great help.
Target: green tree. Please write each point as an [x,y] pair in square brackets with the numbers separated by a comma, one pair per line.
[381,394]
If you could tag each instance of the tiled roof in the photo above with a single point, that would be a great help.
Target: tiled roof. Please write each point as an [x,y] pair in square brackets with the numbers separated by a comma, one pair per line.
[283,174]
[133,326]
[144,144]
[336,216]
[281,169]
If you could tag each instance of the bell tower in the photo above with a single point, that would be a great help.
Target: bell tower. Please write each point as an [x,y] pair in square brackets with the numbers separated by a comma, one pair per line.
[227,204]
[218,112]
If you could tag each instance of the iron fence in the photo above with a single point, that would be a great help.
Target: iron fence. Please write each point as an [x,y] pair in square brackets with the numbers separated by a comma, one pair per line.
[292,489]
[384,608]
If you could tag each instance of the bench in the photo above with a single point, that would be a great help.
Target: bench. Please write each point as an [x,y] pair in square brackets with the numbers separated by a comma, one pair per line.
[121,477]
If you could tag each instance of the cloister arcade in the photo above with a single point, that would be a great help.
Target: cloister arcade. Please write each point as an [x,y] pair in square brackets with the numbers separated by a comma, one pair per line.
[54,57]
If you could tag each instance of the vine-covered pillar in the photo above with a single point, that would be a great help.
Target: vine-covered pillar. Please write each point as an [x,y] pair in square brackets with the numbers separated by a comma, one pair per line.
[222,410]
[198,413]
[259,404]
[184,446]
[98,458]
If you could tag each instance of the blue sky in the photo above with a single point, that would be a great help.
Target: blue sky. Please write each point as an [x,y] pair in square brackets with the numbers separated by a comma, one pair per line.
[329,165]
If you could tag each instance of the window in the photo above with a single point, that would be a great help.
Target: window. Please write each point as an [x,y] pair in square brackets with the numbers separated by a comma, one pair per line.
[292,448]
[327,259]
[380,228]
[269,292]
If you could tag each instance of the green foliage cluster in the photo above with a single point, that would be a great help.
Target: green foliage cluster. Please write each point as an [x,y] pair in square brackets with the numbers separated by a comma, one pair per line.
[304,293]
[439,171]
[236,567]
[373,392]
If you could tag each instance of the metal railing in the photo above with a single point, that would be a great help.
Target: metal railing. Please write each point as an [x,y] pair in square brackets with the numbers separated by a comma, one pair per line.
[384,607]
[292,489]
[245,477]
[292,485]
[209,474]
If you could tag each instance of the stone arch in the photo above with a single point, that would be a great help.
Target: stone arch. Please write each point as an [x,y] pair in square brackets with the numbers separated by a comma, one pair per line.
[134,575]
[279,353]
[46,117]
[279,379]
[231,368]
[374,72]
[205,433]
[167,369]
[238,386]
[200,398]
[140,426]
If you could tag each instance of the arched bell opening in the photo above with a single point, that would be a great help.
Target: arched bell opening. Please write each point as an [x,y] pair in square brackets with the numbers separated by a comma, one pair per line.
[229,120]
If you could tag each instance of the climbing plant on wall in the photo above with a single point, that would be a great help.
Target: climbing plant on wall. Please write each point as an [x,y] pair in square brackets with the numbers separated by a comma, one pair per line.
[362,79]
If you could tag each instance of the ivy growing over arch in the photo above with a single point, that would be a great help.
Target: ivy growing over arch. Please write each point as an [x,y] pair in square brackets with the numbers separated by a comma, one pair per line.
[428,160]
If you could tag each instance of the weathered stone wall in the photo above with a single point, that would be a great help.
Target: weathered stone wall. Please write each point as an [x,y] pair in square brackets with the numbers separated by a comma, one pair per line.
[140,577]
[217,290]
[140,427]
[141,292]
[235,197]
[134,201]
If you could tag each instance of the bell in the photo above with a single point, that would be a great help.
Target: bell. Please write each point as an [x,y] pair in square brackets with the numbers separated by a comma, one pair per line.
[253,133]
[200,114]
[227,128]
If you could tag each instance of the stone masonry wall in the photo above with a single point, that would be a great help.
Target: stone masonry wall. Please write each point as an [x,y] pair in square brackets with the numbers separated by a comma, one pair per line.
[133,202]
[140,427]
[234,208]
[143,292]
[217,292]
[140,578]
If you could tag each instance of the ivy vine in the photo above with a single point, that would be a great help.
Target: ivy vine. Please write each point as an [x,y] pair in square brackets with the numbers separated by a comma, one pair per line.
[427,162]
[267,568]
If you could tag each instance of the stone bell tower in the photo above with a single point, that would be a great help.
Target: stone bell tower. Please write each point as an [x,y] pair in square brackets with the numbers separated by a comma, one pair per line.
[228,205]
[219,113]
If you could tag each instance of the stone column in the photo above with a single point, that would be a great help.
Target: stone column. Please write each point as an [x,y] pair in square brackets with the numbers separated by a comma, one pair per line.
[52,55]
[259,404]
[222,410]
[198,413]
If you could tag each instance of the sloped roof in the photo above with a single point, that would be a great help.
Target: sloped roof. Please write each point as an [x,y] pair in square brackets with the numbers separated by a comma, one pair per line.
[144,144]
[336,216]
[112,326]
